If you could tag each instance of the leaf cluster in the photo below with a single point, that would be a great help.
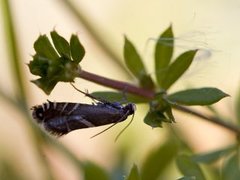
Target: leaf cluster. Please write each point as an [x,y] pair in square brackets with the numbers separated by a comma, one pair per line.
[57,62]
[167,72]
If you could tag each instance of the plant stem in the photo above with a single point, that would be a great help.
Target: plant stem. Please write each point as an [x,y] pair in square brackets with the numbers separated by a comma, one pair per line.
[149,94]
[119,85]
[13,52]
[212,119]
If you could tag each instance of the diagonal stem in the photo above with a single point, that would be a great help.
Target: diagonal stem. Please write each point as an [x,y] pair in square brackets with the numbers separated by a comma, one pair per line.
[14,52]
[211,119]
[119,85]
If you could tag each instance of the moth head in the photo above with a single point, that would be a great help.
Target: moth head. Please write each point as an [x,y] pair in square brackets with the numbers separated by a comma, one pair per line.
[131,108]
[38,113]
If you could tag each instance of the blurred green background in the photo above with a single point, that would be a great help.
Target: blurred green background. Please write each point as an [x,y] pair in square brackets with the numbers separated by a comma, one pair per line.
[212,26]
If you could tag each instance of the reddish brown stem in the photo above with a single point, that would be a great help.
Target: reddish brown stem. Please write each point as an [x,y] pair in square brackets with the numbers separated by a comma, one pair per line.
[211,119]
[122,86]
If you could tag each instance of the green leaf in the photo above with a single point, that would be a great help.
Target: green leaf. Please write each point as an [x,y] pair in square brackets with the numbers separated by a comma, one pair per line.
[169,114]
[77,49]
[237,106]
[61,44]
[201,96]
[44,48]
[119,97]
[133,59]
[158,160]
[135,65]
[39,65]
[160,111]
[213,156]
[155,119]
[44,84]
[163,53]
[177,68]
[134,174]
[93,172]
[189,168]
[147,82]
[51,73]
[231,170]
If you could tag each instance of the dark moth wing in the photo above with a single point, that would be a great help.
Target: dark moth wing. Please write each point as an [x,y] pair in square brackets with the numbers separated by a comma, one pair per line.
[60,118]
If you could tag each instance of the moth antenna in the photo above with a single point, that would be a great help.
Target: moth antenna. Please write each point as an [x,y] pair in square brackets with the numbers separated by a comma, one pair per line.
[121,132]
[114,125]
[105,129]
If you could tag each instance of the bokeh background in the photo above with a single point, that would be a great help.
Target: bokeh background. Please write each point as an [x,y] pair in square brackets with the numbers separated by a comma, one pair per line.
[213,26]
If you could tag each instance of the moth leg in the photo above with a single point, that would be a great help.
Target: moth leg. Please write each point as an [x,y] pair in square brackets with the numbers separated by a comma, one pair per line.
[89,95]
[73,109]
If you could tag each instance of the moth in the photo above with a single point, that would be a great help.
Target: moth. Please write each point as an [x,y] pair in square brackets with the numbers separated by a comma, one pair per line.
[60,118]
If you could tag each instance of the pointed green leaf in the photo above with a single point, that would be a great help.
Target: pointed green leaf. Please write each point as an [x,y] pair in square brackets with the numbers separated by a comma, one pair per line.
[237,106]
[133,59]
[213,156]
[51,73]
[155,119]
[93,172]
[189,168]
[39,65]
[177,68]
[146,82]
[158,160]
[44,48]
[44,84]
[119,97]
[77,49]
[163,53]
[169,114]
[134,174]
[202,96]
[231,170]
[61,44]
[136,66]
